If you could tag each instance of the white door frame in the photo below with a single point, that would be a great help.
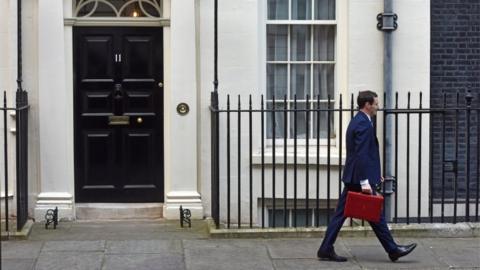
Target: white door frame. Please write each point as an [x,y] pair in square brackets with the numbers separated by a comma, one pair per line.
[57,166]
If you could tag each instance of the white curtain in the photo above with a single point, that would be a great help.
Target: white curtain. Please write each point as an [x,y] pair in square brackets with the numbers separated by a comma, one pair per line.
[300,43]
[324,9]
[301,9]
[278,9]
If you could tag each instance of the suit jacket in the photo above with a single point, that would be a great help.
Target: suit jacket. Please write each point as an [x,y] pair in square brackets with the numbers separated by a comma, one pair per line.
[363,158]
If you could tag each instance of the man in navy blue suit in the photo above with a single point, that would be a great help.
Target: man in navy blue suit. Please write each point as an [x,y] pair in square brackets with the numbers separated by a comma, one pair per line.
[361,173]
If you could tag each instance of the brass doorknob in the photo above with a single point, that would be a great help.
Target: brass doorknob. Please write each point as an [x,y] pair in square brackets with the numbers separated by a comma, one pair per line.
[139,120]
[160,84]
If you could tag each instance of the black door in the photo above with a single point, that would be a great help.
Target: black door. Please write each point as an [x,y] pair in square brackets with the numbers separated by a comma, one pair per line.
[118,76]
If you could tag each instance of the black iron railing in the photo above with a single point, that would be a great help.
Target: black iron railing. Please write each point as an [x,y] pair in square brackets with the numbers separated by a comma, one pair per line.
[21,159]
[291,177]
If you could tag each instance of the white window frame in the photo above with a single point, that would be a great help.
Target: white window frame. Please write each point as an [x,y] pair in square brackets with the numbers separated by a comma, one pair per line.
[340,69]
[301,205]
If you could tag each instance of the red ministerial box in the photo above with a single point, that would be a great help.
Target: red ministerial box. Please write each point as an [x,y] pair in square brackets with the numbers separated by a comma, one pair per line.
[363,206]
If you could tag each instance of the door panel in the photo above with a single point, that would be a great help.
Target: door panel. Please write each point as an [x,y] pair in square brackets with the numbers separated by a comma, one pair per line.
[98,159]
[97,51]
[140,102]
[138,50]
[118,114]
[139,156]
[96,102]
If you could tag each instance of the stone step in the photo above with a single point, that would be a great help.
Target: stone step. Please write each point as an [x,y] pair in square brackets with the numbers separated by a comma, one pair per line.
[118,211]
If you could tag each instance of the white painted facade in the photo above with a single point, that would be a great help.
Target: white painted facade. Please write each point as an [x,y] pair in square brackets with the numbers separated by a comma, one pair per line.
[188,72]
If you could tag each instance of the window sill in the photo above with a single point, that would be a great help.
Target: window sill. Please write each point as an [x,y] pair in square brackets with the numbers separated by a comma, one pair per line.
[301,155]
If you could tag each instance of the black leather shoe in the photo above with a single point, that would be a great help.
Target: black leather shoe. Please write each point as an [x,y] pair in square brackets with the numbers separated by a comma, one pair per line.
[332,256]
[402,251]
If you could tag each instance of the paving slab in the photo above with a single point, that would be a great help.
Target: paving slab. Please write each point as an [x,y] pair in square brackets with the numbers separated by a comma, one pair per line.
[143,246]
[164,261]
[442,242]
[299,248]
[375,257]
[458,257]
[17,264]
[312,264]
[222,255]
[40,233]
[222,243]
[373,241]
[74,246]
[164,245]
[120,230]
[69,260]
[21,249]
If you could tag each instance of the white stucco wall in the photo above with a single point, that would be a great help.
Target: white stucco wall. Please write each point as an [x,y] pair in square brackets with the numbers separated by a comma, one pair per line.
[241,68]
[189,77]
[411,73]
[365,46]
[237,27]
[30,83]
[239,73]
[8,76]
[181,177]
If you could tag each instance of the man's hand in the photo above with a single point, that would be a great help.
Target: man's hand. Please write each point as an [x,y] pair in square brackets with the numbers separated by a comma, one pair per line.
[382,179]
[366,189]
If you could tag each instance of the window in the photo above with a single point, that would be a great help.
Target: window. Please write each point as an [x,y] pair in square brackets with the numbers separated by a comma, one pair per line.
[301,217]
[300,60]
[118,8]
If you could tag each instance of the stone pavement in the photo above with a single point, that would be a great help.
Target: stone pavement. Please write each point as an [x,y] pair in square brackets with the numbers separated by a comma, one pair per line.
[163,245]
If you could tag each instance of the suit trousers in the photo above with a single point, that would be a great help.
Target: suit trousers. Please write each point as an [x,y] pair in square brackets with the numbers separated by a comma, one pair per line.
[381,229]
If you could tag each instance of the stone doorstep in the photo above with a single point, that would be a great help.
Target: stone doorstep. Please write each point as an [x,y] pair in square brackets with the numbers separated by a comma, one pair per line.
[19,235]
[118,211]
[429,230]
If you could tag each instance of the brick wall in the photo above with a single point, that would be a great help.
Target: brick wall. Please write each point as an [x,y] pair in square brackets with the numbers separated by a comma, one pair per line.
[455,67]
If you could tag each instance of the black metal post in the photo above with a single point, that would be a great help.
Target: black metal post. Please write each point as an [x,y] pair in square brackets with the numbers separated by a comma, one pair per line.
[239,195]
[250,159]
[215,46]
[262,126]
[455,181]
[22,158]
[22,132]
[285,135]
[419,198]
[19,45]
[317,200]
[384,134]
[351,117]
[340,133]
[216,160]
[307,167]
[274,126]
[430,177]
[215,127]
[328,160]
[5,128]
[478,161]
[228,161]
[443,159]
[468,98]
[408,160]
[396,158]
[295,161]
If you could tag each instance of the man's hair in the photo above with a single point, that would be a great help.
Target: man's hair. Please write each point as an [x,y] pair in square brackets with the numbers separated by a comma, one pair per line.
[364,97]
